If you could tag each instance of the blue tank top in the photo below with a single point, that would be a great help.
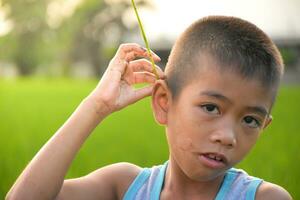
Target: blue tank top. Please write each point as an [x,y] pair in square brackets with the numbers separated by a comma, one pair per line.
[236,185]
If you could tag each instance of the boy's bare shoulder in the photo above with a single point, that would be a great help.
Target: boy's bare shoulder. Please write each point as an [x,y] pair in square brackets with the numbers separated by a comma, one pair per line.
[120,174]
[271,191]
[109,182]
[124,174]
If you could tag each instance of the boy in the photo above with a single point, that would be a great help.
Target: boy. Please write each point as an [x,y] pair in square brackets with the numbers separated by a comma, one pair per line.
[214,99]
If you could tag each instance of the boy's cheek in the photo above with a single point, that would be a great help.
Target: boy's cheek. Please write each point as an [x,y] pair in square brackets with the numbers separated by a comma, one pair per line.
[180,138]
[185,144]
[188,140]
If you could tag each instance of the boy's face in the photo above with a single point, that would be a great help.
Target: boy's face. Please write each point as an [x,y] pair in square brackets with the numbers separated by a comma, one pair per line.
[214,122]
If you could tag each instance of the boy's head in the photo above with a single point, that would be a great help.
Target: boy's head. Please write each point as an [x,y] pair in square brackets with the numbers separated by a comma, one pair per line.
[236,45]
[222,78]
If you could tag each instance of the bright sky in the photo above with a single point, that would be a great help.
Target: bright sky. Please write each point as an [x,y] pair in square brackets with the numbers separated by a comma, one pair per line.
[279,18]
[5,25]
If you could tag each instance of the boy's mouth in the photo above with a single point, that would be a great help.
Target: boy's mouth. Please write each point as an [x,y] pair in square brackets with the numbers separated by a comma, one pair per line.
[213,160]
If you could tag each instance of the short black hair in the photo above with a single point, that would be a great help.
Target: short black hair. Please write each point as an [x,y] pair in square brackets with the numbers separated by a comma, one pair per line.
[238,44]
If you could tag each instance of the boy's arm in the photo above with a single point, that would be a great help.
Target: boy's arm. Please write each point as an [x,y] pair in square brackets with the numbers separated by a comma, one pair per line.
[43,178]
[272,192]
[110,182]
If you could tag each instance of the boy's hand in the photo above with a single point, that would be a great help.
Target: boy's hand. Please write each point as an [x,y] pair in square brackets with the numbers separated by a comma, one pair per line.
[115,90]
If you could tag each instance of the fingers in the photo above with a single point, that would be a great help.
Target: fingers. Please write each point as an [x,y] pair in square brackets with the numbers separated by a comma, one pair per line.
[145,65]
[143,77]
[127,53]
[141,93]
[130,51]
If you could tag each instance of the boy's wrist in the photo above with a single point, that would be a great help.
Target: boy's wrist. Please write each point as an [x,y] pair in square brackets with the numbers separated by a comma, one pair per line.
[97,107]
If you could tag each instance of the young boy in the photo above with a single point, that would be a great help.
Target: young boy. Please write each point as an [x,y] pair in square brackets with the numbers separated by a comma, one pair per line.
[214,99]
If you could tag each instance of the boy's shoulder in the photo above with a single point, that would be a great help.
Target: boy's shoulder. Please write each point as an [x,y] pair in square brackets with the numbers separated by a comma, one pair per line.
[272,191]
[122,174]
[265,190]
[109,182]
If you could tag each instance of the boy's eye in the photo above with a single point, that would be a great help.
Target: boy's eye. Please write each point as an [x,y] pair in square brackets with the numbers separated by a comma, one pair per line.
[252,122]
[210,108]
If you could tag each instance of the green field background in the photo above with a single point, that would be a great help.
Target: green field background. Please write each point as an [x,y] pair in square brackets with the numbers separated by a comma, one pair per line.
[31,110]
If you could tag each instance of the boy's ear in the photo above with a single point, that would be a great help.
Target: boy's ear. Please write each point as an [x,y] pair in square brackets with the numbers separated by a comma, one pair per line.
[160,102]
[268,121]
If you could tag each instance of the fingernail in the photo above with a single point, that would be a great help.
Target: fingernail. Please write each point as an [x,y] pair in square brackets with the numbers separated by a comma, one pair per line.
[143,48]
[156,56]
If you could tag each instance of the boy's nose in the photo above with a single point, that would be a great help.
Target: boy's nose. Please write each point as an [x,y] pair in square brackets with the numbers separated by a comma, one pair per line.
[224,136]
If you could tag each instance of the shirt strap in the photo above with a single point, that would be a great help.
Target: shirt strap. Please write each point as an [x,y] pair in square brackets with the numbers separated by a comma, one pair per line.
[250,194]
[155,193]
[225,186]
[137,184]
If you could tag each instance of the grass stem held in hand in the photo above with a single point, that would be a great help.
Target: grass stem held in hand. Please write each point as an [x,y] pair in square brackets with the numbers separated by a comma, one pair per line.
[145,39]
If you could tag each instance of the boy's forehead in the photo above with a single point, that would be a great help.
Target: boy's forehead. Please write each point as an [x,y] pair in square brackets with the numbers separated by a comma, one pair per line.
[203,60]
[206,65]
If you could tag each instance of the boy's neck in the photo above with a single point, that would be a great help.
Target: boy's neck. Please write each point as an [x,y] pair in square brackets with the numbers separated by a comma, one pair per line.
[178,186]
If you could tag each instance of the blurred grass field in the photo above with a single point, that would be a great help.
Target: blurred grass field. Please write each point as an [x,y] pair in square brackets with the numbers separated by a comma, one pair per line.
[31,110]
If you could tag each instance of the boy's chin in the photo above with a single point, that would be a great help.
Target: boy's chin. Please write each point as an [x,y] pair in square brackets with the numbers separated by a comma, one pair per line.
[202,173]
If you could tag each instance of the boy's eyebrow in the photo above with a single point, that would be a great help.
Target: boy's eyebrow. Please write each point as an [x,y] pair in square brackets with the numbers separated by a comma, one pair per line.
[216,95]
[258,109]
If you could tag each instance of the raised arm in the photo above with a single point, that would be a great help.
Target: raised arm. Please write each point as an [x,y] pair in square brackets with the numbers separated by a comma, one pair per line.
[43,178]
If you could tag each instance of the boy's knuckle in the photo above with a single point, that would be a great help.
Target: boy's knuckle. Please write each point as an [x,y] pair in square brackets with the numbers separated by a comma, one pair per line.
[123,46]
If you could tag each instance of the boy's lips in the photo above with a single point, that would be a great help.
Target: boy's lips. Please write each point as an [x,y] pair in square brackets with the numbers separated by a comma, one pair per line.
[213,160]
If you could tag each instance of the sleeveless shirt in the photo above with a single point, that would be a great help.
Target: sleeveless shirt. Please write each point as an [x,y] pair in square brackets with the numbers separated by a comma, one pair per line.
[236,185]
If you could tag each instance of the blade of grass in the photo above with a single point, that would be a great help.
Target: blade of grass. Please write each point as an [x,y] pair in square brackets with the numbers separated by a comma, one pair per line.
[145,38]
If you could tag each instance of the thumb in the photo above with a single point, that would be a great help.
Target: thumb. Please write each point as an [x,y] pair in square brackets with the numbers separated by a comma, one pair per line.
[141,93]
